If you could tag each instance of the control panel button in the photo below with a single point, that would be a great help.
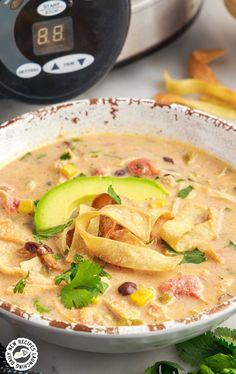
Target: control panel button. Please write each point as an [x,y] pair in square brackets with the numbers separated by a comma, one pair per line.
[51,8]
[28,70]
[68,64]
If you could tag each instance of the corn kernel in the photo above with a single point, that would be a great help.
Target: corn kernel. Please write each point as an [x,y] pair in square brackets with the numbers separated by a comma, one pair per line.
[96,300]
[26,206]
[69,170]
[160,204]
[141,296]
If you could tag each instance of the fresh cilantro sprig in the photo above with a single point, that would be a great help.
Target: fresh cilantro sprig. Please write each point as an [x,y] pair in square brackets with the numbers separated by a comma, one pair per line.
[164,367]
[42,235]
[20,286]
[190,257]
[40,308]
[83,283]
[65,156]
[212,352]
[232,244]
[111,192]
[185,192]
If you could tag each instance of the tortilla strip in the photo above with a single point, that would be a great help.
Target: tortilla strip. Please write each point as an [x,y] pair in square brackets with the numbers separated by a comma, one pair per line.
[12,239]
[215,193]
[195,86]
[193,226]
[13,271]
[133,219]
[123,254]
[198,64]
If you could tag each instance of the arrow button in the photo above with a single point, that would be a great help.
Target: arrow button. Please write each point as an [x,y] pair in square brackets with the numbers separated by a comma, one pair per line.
[55,67]
[81,61]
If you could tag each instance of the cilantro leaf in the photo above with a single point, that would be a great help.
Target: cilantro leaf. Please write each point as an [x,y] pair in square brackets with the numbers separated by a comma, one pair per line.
[193,257]
[185,192]
[220,361]
[190,257]
[205,370]
[226,337]
[164,367]
[42,235]
[232,244]
[65,156]
[113,194]
[26,156]
[40,308]
[20,286]
[194,351]
[83,282]
[67,275]
[78,298]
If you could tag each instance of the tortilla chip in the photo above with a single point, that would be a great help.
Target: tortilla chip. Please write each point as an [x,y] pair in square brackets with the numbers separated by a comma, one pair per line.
[193,226]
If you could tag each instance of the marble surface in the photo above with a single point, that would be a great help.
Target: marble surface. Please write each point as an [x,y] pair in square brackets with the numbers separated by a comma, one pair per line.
[215,28]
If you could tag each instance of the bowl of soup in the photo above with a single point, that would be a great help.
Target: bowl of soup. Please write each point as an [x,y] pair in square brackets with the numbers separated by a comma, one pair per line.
[117,224]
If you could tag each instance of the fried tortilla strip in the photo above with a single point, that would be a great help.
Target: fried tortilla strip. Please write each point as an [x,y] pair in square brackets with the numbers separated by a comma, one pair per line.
[198,64]
[193,226]
[215,109]
[196,86]
[12,271]
[123,254]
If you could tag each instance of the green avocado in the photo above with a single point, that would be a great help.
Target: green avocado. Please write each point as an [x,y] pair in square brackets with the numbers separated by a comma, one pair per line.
[57,205]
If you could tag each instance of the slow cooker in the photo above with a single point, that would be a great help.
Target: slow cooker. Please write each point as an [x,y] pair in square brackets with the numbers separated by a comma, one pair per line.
[52,50]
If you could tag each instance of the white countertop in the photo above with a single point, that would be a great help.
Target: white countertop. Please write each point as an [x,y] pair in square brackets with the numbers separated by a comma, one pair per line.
[215,28]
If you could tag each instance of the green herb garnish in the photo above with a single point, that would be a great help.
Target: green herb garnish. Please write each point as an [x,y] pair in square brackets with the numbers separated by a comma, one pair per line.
[42,155]
[200,349]
[76,140]
[65,156]
[42,235]
[193,257]
[40,308]
[164,367]
[232,244]
[228,210]
[185,192]
[83,283]
[57,257]
[180,180]
[81,175]
[26,155]
[113,194]
[212,353]
[190,257]
[20,286]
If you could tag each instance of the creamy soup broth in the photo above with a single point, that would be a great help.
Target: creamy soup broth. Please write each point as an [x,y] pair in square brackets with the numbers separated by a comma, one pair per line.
[176,166]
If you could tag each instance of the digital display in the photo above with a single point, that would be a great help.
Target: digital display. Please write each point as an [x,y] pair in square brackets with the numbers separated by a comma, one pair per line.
[53,36]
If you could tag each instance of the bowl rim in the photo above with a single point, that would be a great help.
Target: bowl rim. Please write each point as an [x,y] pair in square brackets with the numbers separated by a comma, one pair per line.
[218,311]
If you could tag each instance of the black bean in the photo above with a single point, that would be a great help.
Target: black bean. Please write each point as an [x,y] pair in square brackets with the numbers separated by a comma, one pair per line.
[168,159]
[127,288]
[120,172]
[31,247]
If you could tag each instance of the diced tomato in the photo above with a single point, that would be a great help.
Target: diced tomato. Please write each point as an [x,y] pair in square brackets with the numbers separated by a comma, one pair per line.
[141,167]
[96,172]
[10,204]
[188,285]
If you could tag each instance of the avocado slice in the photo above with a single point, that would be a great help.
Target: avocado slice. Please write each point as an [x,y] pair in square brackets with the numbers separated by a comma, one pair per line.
[57,205]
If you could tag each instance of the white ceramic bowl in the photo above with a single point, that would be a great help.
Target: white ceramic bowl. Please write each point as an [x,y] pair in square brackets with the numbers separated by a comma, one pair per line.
[117,116]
